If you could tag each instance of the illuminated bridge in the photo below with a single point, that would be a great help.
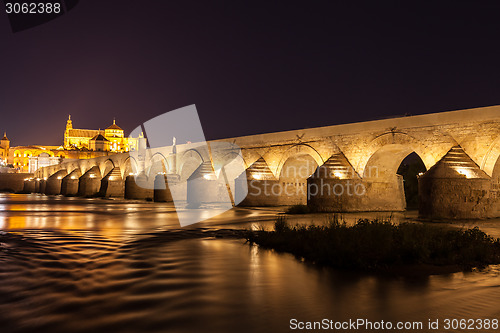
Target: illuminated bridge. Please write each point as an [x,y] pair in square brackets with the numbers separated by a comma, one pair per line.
[460,150]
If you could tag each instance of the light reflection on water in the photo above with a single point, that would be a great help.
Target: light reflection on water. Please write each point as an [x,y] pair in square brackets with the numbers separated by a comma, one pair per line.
[90,265]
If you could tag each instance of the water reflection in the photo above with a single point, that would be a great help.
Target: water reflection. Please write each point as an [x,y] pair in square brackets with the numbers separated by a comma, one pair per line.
[80,265]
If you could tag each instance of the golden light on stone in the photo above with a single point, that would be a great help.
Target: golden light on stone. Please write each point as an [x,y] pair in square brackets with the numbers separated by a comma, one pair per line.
[338,174]
[209,176]
[466,172]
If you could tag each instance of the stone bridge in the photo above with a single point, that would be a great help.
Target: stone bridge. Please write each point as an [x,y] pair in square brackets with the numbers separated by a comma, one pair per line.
[349,167]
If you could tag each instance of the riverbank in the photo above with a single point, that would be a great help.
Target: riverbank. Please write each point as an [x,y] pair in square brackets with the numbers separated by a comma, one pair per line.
[401,249]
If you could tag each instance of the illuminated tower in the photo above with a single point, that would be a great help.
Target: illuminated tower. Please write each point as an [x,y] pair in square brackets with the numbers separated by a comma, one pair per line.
[5,142]
[69,126]
[4,147]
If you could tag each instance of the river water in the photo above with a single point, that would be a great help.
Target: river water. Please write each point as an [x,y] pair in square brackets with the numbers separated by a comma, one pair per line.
[93,265]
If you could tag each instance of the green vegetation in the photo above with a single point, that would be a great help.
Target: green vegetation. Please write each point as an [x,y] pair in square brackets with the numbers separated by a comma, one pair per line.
[375,245]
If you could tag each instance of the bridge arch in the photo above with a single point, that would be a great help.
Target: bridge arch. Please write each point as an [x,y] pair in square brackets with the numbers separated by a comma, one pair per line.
[295,151]
[158,163]
[129,166]
[386,152]
[190,160]
[233,165]
[296,165]
[250,156]
[77,172]
[106,167]
[491,158]
[85,165]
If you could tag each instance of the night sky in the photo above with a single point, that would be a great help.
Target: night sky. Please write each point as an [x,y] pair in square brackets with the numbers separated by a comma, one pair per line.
[250,68]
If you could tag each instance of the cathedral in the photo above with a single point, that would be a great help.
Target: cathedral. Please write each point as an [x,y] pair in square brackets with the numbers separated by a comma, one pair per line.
[111,139]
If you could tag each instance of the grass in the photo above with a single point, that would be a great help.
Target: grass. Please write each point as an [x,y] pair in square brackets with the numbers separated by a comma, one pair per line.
[379,245]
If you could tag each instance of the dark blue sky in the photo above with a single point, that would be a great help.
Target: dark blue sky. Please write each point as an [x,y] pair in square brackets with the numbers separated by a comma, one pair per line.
[249,68]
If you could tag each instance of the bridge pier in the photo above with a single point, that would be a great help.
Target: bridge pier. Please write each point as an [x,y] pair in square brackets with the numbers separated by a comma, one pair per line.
[90,183]
[112,185]
[161,192]
[29,186]
[204,188]
[335,187]
[53,185]
[69,184]
[254,187]
[260,192]
[383,195]
[456,188]
[138,188]
[43,185]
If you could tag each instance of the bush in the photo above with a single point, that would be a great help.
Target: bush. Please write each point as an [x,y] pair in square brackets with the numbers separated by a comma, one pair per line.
[380,245]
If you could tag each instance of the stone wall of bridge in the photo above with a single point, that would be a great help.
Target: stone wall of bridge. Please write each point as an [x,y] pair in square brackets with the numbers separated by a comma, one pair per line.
[371,153]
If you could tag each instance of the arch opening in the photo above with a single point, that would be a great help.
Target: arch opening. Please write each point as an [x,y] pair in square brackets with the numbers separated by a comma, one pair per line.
[191,160]
[495,175]
[410,169]
[293,179]
[106,167]
[157,165]
[392,172]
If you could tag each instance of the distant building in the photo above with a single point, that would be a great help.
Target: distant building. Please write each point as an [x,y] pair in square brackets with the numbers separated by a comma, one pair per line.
[111,139]
[99,143]
[4,149]
[42,160]
[77,144]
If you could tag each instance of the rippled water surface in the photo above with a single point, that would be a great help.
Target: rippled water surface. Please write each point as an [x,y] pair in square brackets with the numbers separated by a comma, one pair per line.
[90,265]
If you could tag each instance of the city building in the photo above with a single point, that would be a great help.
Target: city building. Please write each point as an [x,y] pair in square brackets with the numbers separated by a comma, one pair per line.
[4,148]
[111,139]
[77,144]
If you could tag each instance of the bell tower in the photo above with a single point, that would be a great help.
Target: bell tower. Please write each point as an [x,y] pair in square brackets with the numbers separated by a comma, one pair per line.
[69,126]
[5,142]
[4,147]
[69,123]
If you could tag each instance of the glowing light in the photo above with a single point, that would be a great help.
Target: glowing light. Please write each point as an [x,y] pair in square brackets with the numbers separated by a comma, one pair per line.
[73,177]
[209,176]
[59,177]
[466,172]
[338,174]
[44,178]
[420,174]
[92,175]
[257,176]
